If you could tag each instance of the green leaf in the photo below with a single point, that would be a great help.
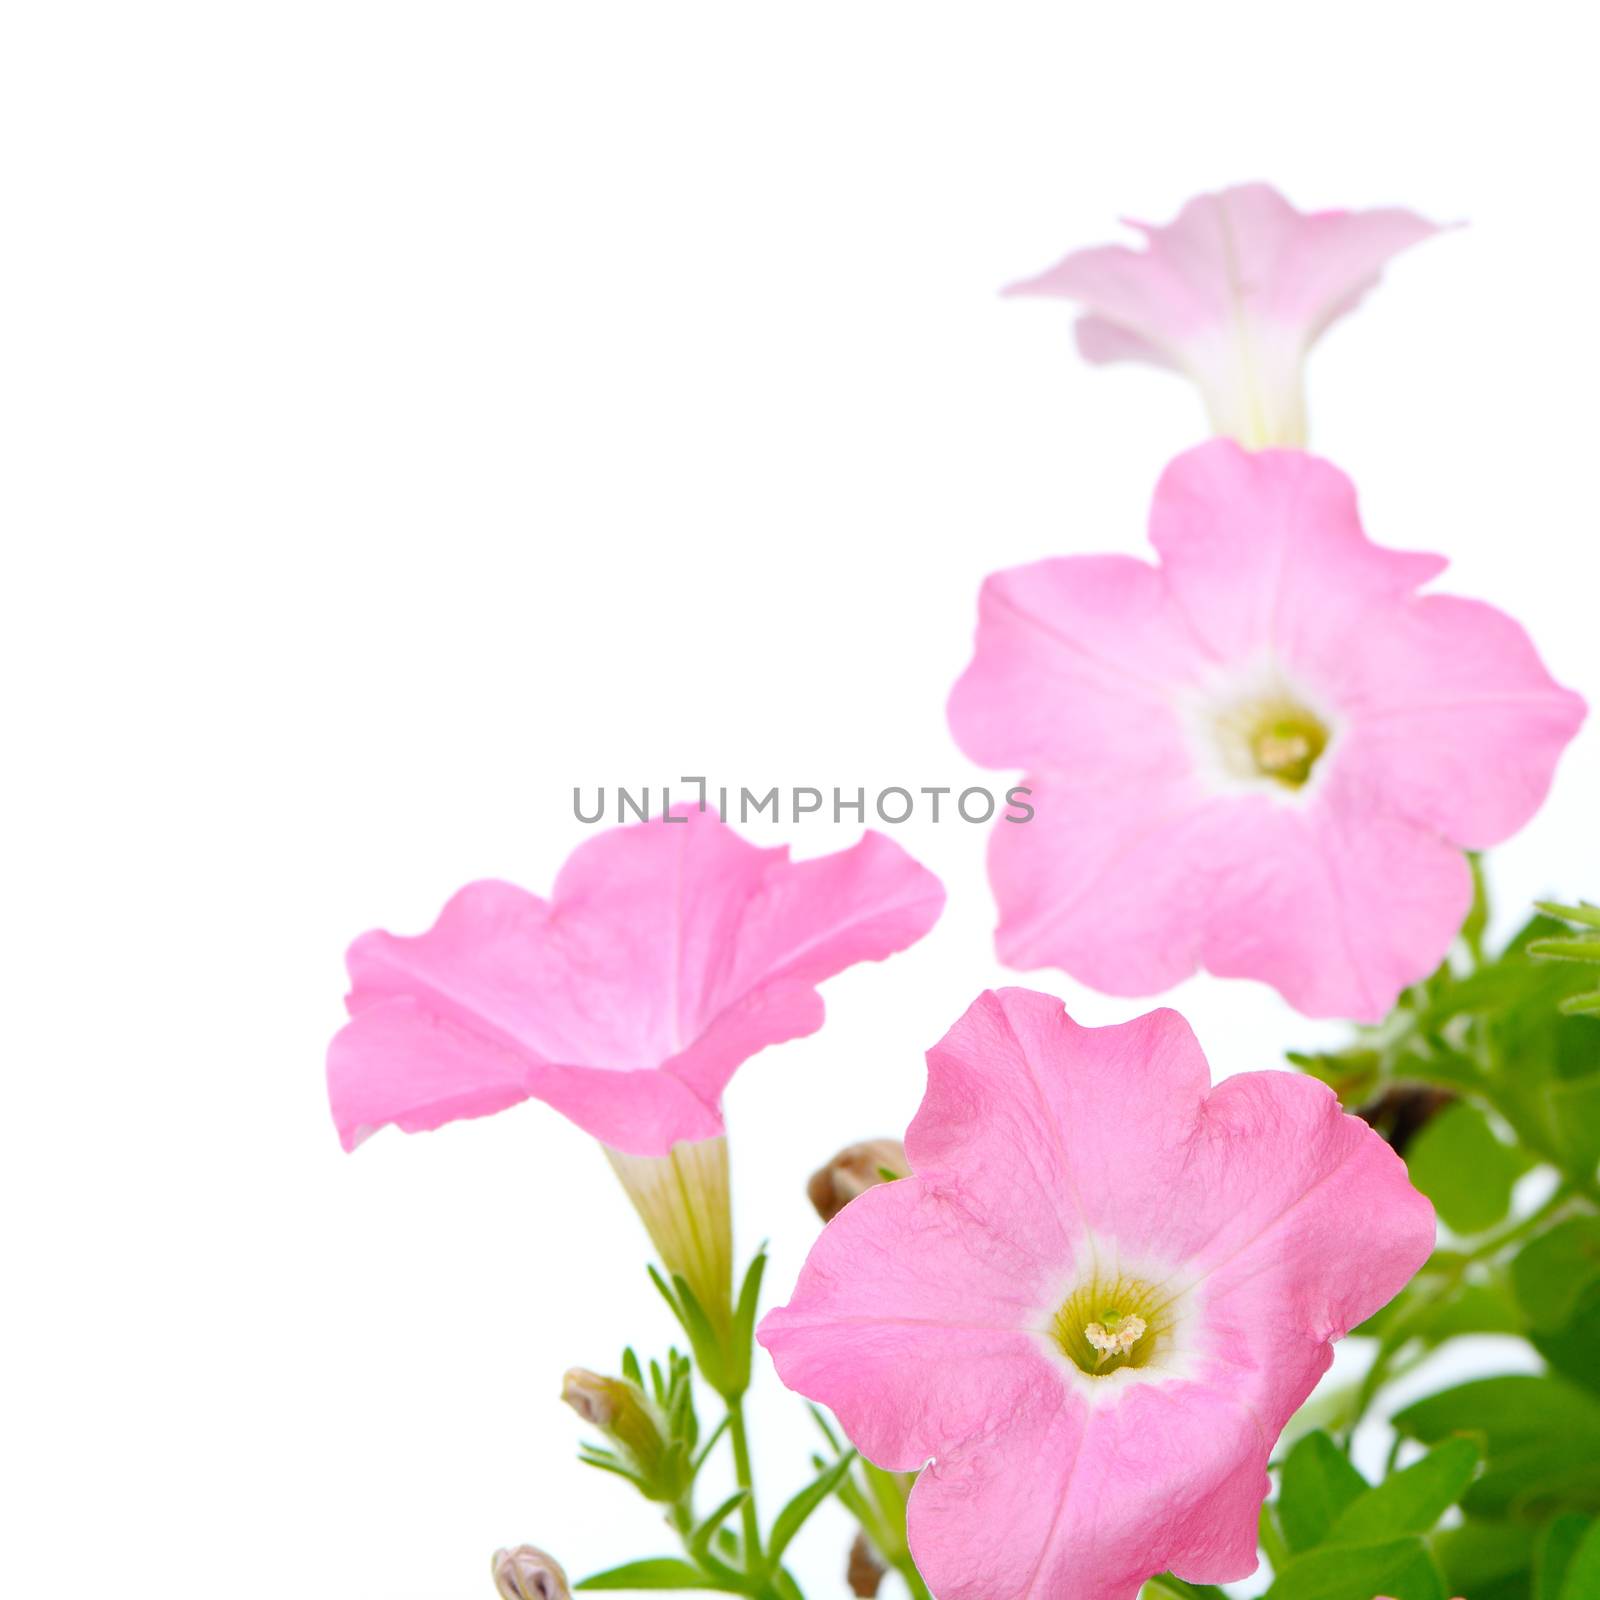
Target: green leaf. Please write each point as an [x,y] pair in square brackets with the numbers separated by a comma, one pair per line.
[792,1518]
[1318,1483]
[1574,1351]
[744,1326]
[1413,1499]
[1583,913]
[664,1572]
[1400,1568]
[1552,1557]
[1573,948]
[1553,1272]
[1506,1411]
[1464,1169]
[1543,1437]
[1572,1110]
[700,1539]
[1583,1572]
[1484,1557]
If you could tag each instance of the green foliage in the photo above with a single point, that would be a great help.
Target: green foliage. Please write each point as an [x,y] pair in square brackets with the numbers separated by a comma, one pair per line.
[1413,1499]
[1401,1568]
[1468,1173]
[1318,1486]
[1541,1440]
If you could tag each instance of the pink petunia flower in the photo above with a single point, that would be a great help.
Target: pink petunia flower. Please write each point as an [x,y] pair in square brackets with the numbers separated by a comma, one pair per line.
[668,954]
[1233,293]
[1264,756]
[1097,1301]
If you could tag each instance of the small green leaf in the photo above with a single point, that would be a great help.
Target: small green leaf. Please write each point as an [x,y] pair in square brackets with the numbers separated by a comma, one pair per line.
[1318,1484]
[1401,1569]
[700,1539]
[1584,914]
[1583,1571]
[1543,1436]
[792,1518]
[1506,1410]
[1552,1557]
[1576,948]
[664,1572]
[1574,1351]
[1413,1499]
[1480,1557]
[1464,1169]
[1553,1272]
[1572,1111]
[744,1326]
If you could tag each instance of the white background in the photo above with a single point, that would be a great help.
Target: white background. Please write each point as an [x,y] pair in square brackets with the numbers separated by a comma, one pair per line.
[412,411]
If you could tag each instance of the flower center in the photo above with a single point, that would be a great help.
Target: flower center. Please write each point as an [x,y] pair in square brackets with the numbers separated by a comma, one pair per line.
[1109,1323]
[1285,743]
[1270,735]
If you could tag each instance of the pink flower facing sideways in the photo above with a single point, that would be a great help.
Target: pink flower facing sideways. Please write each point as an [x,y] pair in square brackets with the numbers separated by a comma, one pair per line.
[1097,1300]
[1264,756]
[1233,293]
[668,954]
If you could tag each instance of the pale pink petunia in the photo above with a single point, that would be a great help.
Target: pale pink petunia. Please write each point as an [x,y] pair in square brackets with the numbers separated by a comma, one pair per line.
[1233,293]
[1264,756]
[1097,1301]
[668,954]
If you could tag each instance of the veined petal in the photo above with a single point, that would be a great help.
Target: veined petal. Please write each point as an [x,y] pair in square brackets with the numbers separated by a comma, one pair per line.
[909,1324]
[1234,292]
[1076,654]
[669,953]
[1336,905]
[1457,723]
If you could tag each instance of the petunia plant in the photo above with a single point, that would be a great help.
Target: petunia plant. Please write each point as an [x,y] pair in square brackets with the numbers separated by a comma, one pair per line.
[1072,1336]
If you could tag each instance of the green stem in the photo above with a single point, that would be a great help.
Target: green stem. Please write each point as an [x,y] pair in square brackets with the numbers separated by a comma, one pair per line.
[907,1568]
[1272,1545]
[745,1479]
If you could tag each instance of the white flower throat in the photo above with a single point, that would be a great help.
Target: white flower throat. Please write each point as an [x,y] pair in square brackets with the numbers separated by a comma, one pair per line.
[1258,729]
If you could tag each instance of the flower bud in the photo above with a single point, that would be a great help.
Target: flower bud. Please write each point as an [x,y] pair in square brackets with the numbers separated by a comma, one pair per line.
[856,1168]
[866,1572]
[529,1574]
[649,1454]
[682,1199]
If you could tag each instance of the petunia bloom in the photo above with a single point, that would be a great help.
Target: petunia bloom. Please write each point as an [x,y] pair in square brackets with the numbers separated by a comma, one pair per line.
[669,953]
[1264,756]
[1096,1302]
[1233,293]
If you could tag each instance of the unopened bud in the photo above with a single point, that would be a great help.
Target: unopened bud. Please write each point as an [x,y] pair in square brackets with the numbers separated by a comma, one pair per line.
[591,1396]
[529,1574]
[865,1572]
[626,1416]
[856,1168]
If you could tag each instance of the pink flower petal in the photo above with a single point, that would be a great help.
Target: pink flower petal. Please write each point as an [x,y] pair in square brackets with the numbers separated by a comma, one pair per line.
[1079,1500]
[1048,1156]
[908,1323]
[1336,906]
[1460,726]
[669,953]
[1266,553]
[1234,292]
